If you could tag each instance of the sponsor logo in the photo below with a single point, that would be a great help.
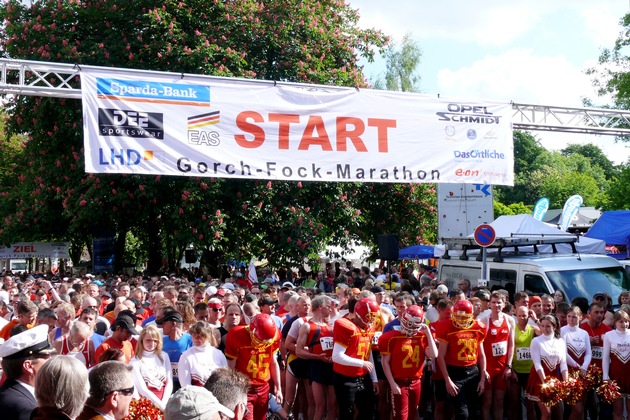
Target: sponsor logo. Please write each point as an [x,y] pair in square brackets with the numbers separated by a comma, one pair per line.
[479,154]
[476,114]
[153,92]
[198,129]
[125,157]
[471,134]
[467,173]
[128,123]
[449,130]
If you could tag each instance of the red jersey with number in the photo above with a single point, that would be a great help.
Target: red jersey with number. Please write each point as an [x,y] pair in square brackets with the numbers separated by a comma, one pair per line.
[495,346]
[463,343]
[251,361]
[597,349]
[406,353]
[436,327]
[320,339]
[357,343]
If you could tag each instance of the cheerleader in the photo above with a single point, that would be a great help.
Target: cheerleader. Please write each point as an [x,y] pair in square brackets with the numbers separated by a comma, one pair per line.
[549,353]
[197,363]
[578,351]
[616,357]
[151,368]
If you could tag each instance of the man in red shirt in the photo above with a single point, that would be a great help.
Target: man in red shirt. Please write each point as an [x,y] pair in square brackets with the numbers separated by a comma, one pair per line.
[123,327]
[403,354]
[250,349]
[460,353]
[444,309]
[355,379]
[499,349]
[596,329]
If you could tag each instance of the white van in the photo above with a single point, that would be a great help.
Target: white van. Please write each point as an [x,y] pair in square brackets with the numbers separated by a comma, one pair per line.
[535,272]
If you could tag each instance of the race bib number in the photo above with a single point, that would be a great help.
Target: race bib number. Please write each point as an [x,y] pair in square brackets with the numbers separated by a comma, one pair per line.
[523,353]
[326,343]
[174,370]
[499,349]
[377,335]
[597,352]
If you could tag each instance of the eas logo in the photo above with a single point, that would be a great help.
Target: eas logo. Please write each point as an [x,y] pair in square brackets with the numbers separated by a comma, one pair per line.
[128,123]
[449,130]
[200,136]
[472,134]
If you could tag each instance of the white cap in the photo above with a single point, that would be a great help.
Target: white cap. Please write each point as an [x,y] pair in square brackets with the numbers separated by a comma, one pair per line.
[4,296]
[228,286]
[211,290]
[194,403]
[288,284]
[27,343]
[442,288]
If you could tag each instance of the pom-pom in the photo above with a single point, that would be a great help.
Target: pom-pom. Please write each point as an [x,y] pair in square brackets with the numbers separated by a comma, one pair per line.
[551,391]
[608,392]
[574,390]
[143,409]
[593,378]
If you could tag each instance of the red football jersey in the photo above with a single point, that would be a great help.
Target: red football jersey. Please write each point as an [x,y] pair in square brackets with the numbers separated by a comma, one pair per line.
[597,349]
[407,353]
[436,328]
[463,344]
[357,343]
[251,361]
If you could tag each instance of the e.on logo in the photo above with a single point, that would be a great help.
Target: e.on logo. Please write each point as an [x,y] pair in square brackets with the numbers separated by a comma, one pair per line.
[466,172]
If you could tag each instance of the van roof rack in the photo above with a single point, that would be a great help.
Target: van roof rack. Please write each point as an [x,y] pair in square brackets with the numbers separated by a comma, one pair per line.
[515,241]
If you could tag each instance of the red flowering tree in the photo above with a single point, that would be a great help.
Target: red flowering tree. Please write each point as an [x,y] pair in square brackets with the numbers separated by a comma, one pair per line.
[47,195]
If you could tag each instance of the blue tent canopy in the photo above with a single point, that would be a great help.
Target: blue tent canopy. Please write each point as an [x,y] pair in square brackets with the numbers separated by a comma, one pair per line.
[613,227]
[416,252]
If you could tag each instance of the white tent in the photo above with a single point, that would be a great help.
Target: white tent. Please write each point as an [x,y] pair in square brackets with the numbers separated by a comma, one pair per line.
[524,225]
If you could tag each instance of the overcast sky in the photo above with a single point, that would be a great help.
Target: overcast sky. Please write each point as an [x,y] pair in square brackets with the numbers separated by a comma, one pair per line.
[529,52]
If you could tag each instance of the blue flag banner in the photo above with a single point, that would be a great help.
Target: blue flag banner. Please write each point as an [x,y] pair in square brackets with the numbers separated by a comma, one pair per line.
[569,210]
[541,208]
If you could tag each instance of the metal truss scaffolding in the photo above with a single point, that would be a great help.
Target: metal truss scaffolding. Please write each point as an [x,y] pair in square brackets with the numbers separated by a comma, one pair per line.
[35,78]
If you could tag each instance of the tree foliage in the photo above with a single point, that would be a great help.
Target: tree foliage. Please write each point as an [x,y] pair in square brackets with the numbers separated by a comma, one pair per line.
[401,66]
[47,195]
[577,169]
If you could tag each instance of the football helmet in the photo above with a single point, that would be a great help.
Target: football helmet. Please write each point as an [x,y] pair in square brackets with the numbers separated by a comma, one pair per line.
[367,310]
[462,315]
[262,330]
[412,320]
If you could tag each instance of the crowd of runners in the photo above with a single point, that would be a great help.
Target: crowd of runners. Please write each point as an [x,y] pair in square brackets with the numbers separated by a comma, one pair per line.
[344,342]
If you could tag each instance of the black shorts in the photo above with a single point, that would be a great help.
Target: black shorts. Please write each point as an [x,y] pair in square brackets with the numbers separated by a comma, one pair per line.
[299,368]
[320,372]
[439,385]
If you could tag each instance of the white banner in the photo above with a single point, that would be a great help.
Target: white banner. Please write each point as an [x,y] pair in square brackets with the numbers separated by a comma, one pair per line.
[171,124]
[36,250]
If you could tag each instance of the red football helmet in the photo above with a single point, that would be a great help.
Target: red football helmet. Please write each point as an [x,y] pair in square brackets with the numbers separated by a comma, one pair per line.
[367,310]
[263,330]
[462,315]
[412,320]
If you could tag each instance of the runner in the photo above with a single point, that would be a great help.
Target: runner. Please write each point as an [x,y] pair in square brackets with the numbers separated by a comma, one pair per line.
[499,349]
[462,360]
[403,353]
[355,379]
[251,349]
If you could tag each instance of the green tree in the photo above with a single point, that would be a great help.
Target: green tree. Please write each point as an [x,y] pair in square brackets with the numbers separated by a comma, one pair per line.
[48,195]
[501,209]
[595,155]
[402,64]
